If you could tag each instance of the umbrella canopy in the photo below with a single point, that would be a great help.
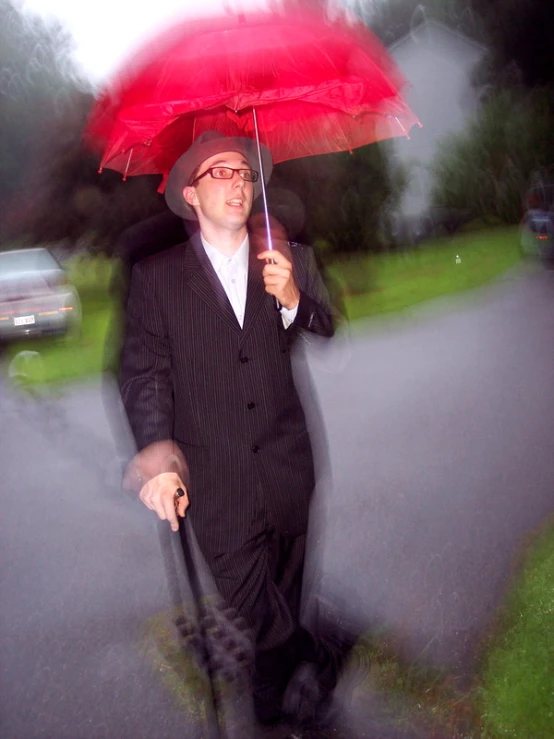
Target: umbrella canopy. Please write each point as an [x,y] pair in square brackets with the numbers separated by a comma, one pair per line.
[318,86]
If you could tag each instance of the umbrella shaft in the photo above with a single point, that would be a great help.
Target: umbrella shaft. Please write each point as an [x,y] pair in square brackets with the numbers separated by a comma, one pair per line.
[262,175]
[264,195]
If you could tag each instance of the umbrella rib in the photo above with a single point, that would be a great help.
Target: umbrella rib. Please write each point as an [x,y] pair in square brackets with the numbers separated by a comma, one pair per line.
[127,165]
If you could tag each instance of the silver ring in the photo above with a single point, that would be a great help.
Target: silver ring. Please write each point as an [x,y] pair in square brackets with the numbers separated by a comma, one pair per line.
[179,493]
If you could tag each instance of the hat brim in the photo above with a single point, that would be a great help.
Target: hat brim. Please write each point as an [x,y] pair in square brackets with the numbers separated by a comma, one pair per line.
[180,174]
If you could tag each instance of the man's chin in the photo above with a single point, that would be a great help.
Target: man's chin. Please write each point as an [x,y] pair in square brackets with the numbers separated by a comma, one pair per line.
[237,221]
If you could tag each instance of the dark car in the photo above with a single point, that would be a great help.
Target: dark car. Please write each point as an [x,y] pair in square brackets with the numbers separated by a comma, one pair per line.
[36,298]
[537,225]
[537,234]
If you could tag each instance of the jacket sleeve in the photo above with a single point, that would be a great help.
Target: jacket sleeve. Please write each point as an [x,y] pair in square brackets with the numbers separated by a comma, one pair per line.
[145,372]
[314,308]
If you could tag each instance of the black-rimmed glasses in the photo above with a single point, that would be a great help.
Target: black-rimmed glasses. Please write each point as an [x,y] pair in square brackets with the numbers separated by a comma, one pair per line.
[226,173]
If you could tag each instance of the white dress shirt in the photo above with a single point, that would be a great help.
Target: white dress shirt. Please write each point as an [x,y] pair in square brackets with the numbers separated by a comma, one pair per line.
[233,275]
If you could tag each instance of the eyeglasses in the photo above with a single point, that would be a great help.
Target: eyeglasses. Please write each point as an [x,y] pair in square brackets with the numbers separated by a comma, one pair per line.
[226,173]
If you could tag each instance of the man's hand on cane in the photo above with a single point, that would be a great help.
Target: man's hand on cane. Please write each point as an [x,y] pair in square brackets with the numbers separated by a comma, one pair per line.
[157,474]
[166,495]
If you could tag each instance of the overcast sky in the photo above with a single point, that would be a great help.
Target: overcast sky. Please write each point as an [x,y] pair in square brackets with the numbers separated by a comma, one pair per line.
[105,31]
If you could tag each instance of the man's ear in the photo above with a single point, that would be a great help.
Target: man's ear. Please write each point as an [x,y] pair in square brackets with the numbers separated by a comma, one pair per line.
[189,193]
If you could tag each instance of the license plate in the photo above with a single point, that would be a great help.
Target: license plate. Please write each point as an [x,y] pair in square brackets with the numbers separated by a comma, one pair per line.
[23,320]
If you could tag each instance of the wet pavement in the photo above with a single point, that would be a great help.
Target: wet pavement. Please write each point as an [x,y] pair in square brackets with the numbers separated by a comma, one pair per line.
[441,451]
[439,433]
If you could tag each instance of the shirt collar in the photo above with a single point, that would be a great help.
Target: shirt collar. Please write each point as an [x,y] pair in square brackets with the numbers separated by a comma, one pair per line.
[218,259]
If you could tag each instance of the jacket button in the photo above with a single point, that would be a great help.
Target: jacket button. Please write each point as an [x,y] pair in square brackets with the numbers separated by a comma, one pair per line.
[255,449]
[250,405]
[244,360]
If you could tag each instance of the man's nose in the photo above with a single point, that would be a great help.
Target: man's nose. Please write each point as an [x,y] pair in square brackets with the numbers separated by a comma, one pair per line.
[237,179]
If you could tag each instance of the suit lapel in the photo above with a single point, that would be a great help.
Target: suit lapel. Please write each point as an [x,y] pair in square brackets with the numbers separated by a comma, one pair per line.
[201,277]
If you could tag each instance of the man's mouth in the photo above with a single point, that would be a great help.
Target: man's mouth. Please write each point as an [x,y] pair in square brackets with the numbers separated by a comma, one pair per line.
[237,202]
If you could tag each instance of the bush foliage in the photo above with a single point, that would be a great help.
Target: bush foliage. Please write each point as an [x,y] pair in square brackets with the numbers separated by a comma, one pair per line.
[488,167]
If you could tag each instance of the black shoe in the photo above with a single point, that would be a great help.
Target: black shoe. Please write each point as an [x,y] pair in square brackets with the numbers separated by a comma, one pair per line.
[303,695]
[317,713]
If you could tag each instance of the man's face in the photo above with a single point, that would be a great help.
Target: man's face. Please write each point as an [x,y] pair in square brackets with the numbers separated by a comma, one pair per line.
[223,204]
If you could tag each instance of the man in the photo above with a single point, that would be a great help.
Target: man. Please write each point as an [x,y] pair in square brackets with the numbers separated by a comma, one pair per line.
[207,384]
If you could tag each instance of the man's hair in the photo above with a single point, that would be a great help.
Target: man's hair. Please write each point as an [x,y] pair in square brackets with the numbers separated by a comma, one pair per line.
[194,174]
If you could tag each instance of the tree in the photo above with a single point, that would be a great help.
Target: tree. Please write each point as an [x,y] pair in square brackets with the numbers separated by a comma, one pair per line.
[67,198]
[488,167]
[49,184]
[35,83]
[517,32]
[520,32]
[346,196]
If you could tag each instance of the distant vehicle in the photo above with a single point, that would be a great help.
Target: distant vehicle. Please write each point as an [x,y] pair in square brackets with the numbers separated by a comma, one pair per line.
[537,234]
[537,225]
[36,298]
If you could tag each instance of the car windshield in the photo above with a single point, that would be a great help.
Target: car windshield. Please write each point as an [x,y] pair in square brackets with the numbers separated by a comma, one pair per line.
[541,197]
[26,261]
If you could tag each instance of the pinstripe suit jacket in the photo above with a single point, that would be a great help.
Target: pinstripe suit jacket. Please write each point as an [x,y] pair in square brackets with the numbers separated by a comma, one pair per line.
[226,395]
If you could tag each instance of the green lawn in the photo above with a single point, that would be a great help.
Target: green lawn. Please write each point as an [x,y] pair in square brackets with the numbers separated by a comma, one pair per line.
[517,695]
[389,283]
[512,694]
[372,286]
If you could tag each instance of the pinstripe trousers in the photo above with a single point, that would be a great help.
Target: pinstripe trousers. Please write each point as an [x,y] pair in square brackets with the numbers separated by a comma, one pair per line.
[262,582]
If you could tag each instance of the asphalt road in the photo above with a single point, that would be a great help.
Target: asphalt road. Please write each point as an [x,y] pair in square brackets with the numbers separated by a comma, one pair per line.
[439,433]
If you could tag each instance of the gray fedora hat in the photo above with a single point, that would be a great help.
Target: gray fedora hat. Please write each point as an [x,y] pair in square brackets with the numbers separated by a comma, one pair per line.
[205,146]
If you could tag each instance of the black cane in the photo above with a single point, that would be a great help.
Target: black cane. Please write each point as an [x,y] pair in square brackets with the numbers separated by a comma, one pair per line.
[219,640]
[167,541]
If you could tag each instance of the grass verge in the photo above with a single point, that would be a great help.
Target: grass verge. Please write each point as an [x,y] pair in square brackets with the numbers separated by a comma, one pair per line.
[512,694]
[517,694]
[389,283]
[413,697]
[409,697]
[372,286]
[177,669]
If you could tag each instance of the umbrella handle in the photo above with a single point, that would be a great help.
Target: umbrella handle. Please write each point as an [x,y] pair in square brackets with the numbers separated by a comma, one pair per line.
[264,194]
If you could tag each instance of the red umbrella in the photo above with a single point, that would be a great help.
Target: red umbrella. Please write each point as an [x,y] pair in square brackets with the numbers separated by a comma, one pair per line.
[311,85]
